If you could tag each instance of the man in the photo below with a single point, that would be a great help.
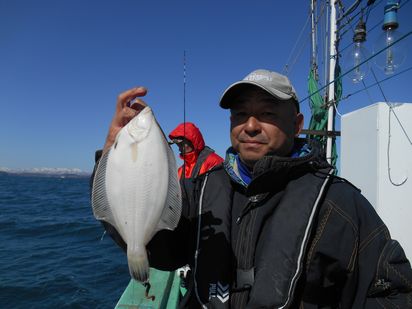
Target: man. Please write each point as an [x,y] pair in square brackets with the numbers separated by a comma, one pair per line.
[197,157]
[274,227]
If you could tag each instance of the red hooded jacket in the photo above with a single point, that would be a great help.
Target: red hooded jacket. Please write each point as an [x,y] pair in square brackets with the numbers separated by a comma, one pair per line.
[192,133]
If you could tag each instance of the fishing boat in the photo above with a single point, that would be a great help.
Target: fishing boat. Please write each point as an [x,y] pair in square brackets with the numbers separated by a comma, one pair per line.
[386,157]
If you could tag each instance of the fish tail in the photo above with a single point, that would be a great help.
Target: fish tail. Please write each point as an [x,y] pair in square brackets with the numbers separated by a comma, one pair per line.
[138,264]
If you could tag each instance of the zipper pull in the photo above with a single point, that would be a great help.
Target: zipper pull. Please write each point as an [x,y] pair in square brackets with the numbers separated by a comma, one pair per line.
[253,200]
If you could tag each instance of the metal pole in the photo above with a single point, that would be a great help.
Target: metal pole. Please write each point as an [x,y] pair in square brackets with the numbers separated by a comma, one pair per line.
[312,8]
[326,50]
[331,89]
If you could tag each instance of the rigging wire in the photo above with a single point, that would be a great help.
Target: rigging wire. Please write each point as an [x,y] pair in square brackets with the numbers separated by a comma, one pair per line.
[352,8]
[326,46]
[350,70]
[291,63]
[313,58]
[286,67]
[363,82]
[374,84]
[318,19]
[386,101]
[368,9]
[367,92]
[297,56]
[373,27]
[391,110]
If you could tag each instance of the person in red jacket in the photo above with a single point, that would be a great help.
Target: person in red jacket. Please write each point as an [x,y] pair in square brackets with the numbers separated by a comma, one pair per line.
[197,157]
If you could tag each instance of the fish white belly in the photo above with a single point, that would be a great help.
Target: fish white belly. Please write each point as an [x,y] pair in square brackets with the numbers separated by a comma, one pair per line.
[137,191]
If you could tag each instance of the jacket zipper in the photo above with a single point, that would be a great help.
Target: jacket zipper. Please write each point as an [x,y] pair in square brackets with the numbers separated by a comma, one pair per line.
[253,201]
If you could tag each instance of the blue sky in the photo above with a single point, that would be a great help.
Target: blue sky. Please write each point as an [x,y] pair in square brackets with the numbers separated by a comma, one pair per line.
[63,63]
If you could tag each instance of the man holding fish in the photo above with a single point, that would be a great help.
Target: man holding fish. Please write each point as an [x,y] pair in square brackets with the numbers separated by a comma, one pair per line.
[273,227]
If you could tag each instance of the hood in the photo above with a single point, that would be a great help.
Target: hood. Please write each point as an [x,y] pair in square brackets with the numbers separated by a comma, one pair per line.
[190,132]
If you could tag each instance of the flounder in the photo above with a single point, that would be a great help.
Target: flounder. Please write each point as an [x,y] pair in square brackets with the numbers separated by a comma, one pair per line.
[136,188]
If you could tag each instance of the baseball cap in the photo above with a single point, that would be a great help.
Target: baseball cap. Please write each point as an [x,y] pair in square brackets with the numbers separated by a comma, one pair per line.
[274,83]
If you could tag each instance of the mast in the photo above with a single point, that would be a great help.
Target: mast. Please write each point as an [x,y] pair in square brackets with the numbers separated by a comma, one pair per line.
[313,60]
[333,54]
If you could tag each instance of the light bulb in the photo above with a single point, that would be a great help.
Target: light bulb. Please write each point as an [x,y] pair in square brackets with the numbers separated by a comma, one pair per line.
[353,59]
[392,57]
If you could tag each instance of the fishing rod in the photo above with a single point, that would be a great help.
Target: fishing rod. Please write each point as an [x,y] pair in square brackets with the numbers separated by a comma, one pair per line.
[184,110]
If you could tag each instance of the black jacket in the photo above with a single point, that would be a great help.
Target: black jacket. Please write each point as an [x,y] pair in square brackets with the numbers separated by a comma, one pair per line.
[296,237]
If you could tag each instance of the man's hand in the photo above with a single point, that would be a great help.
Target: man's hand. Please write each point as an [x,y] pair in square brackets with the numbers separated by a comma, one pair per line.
[127,107]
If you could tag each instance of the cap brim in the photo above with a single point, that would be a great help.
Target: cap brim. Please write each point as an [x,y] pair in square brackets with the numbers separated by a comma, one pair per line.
[225,100]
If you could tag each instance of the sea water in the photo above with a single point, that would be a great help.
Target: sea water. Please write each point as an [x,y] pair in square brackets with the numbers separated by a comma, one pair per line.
[53,253]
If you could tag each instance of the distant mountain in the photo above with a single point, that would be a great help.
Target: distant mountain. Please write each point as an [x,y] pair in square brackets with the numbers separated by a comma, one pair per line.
[46,171]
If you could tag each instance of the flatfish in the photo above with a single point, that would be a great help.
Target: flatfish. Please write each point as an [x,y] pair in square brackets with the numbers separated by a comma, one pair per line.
[136,188]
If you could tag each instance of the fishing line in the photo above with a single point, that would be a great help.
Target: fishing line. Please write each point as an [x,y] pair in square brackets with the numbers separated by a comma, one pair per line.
[104,234]
[183,174]
[184,114]
[184,91]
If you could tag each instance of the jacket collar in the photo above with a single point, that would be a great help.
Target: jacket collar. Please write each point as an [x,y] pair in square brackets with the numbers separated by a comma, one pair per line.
[272,170]
[190,157]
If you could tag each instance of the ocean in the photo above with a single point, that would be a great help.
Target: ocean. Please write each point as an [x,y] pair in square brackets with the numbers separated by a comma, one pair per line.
[54,254]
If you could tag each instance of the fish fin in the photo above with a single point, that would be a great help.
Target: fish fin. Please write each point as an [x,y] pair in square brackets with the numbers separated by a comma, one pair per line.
[100,202]
[173,208]
[138,264]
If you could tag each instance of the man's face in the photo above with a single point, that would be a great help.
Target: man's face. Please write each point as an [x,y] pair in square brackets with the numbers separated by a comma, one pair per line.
[261,124]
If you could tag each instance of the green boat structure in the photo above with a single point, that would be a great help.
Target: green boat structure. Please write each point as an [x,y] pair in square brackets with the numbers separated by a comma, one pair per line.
[164,292]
